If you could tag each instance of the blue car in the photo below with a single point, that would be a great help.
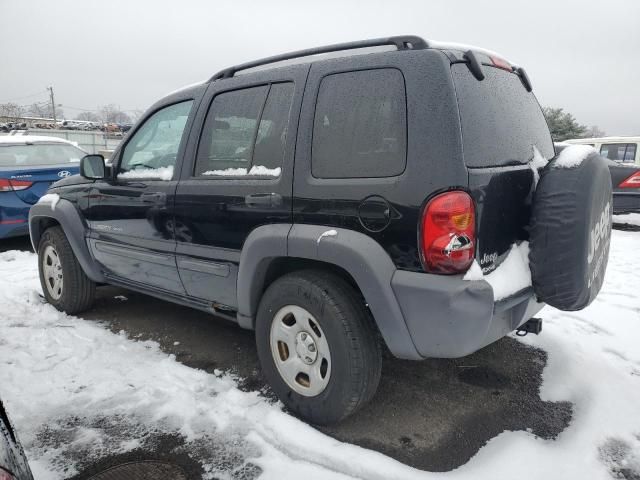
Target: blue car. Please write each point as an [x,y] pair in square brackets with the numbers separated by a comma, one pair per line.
[28,165]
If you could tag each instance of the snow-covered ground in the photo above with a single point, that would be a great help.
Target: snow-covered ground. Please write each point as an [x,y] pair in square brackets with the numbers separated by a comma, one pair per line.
[71,380]
[629,219]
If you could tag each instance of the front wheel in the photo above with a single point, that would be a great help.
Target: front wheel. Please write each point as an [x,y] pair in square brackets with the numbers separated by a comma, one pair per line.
[64,283]
[318,346]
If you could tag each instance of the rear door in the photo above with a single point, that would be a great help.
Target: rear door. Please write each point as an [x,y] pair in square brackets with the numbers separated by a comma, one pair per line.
[237,176]
[502,129]
[132,234]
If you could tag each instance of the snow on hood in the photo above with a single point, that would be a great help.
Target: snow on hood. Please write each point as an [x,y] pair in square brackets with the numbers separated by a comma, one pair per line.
[511,276]
[161,173]
[573,155]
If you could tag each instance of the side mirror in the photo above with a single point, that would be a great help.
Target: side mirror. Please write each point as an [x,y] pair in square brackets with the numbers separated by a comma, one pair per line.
[92,167]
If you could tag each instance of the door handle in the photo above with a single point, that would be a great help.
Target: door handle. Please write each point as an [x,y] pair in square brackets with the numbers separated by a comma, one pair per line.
[268,199]
[159,198]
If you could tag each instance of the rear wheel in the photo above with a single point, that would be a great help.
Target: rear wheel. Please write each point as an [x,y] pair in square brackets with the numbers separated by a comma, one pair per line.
[317,346]
[64,283]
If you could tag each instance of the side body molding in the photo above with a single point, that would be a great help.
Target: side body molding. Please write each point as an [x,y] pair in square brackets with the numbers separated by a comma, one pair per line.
[74,227]
[361,256]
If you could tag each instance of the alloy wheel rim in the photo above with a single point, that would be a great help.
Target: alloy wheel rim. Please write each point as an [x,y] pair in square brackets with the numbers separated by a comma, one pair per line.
[300,350]
[52,272]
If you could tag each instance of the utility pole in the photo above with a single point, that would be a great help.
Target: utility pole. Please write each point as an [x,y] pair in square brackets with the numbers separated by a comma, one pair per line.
[53,104]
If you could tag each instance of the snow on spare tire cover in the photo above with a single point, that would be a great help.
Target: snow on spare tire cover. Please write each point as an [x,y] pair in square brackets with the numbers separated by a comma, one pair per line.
[571,229]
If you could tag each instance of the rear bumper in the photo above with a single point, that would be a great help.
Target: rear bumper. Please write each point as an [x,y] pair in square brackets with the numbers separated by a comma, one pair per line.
[626,202]
[448,317]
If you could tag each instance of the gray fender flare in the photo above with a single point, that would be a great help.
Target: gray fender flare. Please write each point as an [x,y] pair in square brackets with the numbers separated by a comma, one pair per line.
[66,214]
[361,256]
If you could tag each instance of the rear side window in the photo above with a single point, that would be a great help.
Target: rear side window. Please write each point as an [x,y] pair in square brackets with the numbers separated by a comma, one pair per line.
[621,152]
[360,125]
[245,132]
[501,121]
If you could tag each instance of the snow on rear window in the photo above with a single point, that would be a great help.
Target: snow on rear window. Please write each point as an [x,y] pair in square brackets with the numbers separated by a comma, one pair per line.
[573,155]
[162,173]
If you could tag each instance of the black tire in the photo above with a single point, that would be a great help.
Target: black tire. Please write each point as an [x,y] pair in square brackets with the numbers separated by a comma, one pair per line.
[570,233]
[78,291]
[351,336]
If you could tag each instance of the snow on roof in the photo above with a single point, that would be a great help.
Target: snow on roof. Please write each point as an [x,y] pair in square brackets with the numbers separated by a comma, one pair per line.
[24,139]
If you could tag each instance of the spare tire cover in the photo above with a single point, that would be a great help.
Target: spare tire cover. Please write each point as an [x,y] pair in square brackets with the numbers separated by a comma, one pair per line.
[570,233]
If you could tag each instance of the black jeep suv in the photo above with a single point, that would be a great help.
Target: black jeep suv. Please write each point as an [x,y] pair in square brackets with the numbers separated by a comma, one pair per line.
[387,194]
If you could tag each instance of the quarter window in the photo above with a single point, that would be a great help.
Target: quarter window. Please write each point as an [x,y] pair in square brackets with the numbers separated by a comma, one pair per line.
[621,152]
[245,132]
[360,125]
[152,150]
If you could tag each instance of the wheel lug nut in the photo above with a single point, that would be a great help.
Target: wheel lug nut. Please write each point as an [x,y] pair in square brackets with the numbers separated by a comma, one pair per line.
[303,336]
[308,359]
[312,348]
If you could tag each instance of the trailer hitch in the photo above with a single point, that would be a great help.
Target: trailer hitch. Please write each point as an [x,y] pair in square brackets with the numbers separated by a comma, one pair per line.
[533,325]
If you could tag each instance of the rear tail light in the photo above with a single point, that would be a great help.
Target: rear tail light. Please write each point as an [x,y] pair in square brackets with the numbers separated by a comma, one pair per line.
[448,233]
[4,475]
[501,63]
[633,181]
[8,185]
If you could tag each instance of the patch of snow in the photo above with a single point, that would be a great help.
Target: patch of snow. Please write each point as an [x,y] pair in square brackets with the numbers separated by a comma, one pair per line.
[52,198]
[573,155]
[328,233]
[72,381]
[237,172]
[122,298]
[162,173]
[537,163]
[629,218]
[511,276]
[474,272]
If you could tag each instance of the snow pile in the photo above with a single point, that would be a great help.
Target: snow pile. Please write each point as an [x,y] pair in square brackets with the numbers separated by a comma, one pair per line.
[52,198]
[328,233]
[573,155]
[161,173]
[69,377]
[511,276]
[629,219]
[536,164]
[474,273]
[255,170]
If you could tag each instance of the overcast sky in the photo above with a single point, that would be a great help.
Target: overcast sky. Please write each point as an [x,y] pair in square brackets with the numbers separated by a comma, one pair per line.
[583,56]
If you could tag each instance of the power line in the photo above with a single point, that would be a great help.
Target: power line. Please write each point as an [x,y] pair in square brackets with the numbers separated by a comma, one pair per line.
[25,96]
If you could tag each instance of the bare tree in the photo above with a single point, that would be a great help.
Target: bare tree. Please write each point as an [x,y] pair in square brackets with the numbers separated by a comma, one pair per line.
[88,117]
[594,132]
[11,111]
[43,110]
[112,114]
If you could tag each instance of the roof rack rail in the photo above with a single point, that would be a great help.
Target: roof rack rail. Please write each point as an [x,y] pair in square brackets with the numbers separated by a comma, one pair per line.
[404,42]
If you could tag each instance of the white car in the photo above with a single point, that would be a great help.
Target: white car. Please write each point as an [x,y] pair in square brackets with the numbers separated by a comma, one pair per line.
[621,149]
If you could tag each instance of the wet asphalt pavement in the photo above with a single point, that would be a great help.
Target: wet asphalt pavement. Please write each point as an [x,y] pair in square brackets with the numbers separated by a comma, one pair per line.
[433,415]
